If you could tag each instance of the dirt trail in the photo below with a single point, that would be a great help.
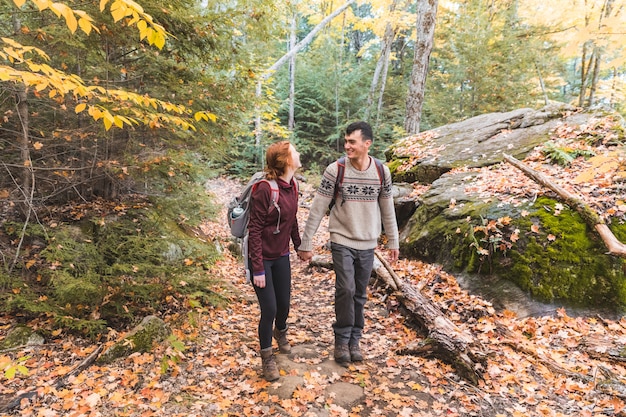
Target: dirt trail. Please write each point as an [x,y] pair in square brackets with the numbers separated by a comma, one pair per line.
[312,384]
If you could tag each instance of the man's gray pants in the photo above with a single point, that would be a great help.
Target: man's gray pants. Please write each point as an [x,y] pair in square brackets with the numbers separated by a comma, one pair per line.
[353,269]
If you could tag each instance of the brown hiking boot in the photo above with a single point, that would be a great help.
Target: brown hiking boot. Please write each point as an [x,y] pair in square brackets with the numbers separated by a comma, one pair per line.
[270,370]
[355,351]
[281,338]
[342,353]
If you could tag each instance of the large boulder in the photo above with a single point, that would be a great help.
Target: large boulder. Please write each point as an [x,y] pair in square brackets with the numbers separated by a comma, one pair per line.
[477,142]
[546,249]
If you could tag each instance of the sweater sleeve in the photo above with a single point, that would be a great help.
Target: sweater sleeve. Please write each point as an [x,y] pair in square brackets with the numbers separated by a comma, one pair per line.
[323,196]
[295,230]
[388,212]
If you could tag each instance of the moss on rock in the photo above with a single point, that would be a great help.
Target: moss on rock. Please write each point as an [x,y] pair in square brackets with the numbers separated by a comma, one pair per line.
[554,255]
[21,336]
[151,330]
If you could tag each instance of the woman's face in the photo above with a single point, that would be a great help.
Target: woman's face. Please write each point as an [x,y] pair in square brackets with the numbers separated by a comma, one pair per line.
[295,158]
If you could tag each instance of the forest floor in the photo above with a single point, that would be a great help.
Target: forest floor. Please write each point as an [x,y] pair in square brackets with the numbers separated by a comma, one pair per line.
[540,366]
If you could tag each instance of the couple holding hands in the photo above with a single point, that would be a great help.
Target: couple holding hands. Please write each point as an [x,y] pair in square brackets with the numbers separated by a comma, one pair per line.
[364,202]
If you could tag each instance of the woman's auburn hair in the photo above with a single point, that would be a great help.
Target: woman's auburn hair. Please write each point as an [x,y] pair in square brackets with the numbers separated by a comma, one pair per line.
[277,159]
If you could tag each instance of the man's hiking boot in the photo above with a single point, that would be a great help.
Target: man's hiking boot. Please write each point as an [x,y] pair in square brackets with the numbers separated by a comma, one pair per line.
[270,370]
[281,338]
[355,351]
[342,353]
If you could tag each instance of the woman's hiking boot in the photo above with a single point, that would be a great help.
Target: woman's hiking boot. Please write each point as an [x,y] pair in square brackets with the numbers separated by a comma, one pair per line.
[342,353]
[270,370]
[355,351]
[281,338]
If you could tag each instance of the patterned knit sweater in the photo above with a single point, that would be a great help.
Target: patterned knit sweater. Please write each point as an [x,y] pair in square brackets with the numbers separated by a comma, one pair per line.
[355,220]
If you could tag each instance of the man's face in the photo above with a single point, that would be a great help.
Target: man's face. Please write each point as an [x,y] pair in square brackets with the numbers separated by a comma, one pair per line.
[355,146]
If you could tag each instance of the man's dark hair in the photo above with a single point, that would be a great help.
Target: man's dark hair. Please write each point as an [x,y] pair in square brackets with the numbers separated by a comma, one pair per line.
[364,127]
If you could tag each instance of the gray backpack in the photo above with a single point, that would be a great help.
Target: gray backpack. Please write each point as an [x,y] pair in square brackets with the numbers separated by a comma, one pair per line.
[238,212]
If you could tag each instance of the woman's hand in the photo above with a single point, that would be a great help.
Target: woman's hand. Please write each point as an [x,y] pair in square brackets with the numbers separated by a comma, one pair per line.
[259,280]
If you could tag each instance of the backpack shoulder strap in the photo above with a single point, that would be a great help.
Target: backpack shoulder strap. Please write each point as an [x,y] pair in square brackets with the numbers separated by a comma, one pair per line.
[274,190]
[380,169]
[341,169]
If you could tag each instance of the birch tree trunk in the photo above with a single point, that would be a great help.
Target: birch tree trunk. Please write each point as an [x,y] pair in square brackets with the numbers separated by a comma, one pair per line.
[426,20]
[291,124]
[385,51]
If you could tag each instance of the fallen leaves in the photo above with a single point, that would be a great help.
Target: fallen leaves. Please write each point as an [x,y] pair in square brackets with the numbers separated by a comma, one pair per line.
[219,373]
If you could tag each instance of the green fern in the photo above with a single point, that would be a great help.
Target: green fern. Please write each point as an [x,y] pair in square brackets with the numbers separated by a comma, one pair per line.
[563,156]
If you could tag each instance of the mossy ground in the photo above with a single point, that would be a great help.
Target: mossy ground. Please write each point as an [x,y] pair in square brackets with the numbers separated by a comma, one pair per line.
[106,264]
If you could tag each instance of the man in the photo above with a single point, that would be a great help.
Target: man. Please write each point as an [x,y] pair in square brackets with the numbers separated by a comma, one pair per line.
[354,226]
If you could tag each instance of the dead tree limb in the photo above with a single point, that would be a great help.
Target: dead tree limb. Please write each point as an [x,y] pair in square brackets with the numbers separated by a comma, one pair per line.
[593,220]
[444,339]
[57,384]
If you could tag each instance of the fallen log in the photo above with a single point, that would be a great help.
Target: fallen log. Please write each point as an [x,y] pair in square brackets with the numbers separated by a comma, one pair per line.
[444,339]
[593,220]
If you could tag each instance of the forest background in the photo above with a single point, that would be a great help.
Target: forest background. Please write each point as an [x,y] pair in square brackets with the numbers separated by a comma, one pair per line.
[114,114]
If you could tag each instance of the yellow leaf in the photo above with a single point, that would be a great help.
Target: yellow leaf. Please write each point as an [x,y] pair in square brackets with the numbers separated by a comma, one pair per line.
[19,3]
[159,40]
[80,107]
[70,19]
[41,86]
[118,14]
[118,122]
[57,8]
[103,3]
[85,25]
[42,4]
[107,123]
[37,145]
[142,26]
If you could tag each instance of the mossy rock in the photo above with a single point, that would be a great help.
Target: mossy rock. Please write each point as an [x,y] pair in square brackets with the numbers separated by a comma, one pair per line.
[553,257]
[21,336]
[142,338]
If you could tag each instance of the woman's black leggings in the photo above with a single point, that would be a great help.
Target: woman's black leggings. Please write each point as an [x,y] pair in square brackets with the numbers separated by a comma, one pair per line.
[274,299]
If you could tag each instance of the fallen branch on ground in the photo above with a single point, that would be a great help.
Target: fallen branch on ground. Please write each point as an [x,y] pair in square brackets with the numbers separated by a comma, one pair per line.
[57,384]
[593,220]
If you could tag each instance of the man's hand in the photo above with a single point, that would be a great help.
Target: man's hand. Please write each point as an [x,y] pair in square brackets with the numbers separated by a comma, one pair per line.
[305,255]
[259,280]
[394,254]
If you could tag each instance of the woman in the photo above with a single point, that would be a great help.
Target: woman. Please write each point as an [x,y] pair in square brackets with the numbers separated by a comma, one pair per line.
[268,248]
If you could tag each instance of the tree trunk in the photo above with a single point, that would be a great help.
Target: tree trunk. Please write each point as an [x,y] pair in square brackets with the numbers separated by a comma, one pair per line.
[444,339]
[583,77]
[21,104]
[291,124]
[382,61]
[381,91]
[426,20]
[595,76]
[591,218]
